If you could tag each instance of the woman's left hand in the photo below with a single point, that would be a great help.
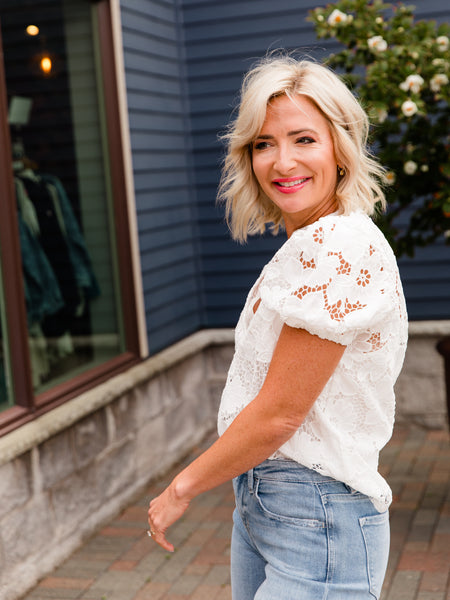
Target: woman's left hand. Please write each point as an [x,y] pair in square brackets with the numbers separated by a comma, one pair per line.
[164,510]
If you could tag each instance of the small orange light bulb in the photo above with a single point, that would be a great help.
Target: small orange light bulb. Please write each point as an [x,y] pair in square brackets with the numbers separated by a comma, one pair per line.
[46,64]
[32,30]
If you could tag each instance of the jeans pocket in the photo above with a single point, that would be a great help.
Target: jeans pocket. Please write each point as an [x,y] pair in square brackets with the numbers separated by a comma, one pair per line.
[290,502]
[375,530]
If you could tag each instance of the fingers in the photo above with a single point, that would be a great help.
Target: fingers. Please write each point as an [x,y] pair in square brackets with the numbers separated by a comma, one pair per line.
[158,535]
[163,511]
[160,538]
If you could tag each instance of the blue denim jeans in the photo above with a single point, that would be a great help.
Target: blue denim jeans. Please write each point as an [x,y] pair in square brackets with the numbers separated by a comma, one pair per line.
[300,535]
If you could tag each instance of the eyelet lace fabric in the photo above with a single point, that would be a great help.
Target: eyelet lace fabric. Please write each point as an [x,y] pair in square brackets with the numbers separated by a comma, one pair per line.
[338,279]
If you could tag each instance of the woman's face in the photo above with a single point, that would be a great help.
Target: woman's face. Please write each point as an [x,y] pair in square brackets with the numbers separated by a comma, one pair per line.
[294,161]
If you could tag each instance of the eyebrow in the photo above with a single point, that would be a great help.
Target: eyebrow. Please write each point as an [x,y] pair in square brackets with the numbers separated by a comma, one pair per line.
[290,133]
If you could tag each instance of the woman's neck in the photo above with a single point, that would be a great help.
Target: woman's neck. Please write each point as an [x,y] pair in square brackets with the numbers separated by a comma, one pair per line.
[296,221]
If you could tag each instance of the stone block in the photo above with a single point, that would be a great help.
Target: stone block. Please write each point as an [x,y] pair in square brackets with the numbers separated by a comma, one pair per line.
[422,358]
[204,414]
[219,359]
[186,381]
[90,437]
[15,484]
[149,401]
[57,458]
[168,392]
[215,394]
[75,498]
[124,413]
[151,454]
[420,388]
[180,426]
[27,531]
[115,470]
[2,560]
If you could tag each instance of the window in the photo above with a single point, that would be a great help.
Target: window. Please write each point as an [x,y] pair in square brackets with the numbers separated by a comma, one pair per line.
[5,376]
[69,310]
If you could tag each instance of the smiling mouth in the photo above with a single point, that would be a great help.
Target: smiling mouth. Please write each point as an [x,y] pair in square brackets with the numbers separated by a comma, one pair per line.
[292,183]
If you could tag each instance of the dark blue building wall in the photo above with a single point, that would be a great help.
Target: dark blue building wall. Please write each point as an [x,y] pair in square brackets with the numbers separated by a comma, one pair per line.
[161,154]
[184,63]
[222,39]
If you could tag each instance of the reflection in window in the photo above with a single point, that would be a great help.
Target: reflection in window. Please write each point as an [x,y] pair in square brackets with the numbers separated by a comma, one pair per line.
[60,165]
[5,378]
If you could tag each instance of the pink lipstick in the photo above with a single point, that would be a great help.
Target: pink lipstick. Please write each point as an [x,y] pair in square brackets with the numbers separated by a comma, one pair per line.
[290,185]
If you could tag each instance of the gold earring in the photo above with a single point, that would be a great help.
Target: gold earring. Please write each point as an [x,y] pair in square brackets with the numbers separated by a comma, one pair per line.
[341,171]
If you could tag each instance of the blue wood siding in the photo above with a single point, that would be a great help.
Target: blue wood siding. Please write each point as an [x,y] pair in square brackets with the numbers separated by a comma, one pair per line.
[160,141]
[184,63]
[222,39]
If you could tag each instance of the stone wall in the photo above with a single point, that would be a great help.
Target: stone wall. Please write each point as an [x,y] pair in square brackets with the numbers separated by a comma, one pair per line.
[69,471]
[66,473]
[420,389]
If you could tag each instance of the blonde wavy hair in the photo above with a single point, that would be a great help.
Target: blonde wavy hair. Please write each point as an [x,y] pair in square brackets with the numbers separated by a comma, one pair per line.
[248,209]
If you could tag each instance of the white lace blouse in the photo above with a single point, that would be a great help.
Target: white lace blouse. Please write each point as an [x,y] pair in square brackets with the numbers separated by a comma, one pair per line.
[338,279]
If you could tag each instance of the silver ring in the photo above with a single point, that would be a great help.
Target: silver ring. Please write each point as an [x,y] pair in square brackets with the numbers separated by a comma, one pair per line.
[150,533]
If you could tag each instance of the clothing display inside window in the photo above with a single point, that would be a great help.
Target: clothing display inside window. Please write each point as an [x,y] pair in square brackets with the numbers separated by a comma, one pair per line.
[62,187]
[58,276]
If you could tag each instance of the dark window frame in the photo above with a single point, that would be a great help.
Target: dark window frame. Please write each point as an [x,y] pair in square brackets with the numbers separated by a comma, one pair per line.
[28,406]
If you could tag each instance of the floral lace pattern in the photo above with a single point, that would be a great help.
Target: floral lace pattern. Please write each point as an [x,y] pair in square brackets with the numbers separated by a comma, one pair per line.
[338,279]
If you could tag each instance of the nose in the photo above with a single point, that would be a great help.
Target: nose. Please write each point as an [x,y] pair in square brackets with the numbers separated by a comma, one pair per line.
[284,160]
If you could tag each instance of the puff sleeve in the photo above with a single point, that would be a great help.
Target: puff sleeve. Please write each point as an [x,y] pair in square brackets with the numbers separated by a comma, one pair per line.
[336,278]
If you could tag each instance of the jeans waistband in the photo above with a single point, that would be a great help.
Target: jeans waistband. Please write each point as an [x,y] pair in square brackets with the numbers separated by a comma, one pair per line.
[285,470]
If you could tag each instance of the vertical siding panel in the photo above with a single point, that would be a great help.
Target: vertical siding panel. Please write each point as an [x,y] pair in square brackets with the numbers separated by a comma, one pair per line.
[159,124]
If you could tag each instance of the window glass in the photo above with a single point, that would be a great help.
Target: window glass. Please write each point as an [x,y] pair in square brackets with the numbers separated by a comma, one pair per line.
[5,376]
[63,191]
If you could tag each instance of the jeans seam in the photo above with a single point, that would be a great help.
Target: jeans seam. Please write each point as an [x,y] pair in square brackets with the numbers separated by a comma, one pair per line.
[328,525]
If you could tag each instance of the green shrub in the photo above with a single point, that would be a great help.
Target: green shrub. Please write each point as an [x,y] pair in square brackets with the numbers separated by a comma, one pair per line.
[399,69]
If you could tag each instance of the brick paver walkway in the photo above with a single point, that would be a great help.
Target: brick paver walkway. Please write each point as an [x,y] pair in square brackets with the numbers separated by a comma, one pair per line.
[120,562]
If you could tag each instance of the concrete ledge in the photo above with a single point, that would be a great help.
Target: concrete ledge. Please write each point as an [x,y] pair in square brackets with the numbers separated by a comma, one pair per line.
[429,328]
[43,428]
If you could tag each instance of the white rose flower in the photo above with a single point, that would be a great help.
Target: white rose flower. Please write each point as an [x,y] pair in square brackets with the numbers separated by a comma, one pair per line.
[409,108]
[437,81]
[382,115]
[390,177]
[424,168]
[443,42]
[412,83]
[337,18]
[377,43]
[410,167]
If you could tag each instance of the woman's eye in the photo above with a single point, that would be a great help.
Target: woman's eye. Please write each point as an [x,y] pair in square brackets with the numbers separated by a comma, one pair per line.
[261,145]
[305,140]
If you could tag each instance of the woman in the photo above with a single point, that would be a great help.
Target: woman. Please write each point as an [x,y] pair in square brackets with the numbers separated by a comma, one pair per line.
[309,401]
